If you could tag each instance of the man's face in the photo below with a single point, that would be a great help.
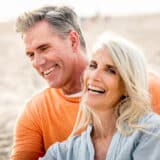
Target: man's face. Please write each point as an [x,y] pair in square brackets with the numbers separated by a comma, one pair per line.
[52,56]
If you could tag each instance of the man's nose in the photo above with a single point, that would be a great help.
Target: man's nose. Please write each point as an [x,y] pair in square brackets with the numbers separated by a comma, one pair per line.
[38,60]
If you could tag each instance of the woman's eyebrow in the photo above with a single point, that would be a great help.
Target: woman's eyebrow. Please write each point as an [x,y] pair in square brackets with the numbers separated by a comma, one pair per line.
[110,66]
[93,61]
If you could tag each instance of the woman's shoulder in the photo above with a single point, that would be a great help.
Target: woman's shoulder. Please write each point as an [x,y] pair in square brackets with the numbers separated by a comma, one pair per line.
[72,141]
[83,136]
[151,123]
[56,151]
[69,147]
[150,118]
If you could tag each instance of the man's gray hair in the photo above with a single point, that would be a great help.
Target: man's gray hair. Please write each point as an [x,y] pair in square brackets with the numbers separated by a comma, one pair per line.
[63,19]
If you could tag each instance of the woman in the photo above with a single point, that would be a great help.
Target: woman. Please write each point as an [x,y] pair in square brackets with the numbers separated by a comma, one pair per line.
[115,108]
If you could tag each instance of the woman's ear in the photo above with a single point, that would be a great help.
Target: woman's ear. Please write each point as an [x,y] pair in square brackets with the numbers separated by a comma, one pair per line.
[73,35]
[125,95]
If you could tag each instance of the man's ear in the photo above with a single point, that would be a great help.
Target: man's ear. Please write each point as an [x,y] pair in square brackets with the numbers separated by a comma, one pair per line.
[74,38]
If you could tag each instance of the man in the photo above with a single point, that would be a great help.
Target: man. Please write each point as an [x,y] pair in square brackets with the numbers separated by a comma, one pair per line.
[56,47]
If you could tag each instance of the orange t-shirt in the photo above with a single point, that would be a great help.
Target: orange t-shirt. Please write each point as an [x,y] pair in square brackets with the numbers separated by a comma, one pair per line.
[154,89]
[49,117]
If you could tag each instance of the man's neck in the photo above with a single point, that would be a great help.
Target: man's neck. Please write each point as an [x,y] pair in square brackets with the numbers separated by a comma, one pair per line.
[74,86]
[72,90]
[78,94]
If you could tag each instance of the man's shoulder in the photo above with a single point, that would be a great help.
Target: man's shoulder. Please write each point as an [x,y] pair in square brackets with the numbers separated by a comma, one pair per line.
[154,79]
[51,99]
[154,88]
[43,95]
[44,98]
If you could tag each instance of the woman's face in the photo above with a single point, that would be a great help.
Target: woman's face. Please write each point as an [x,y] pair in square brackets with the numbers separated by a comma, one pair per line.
[103,86]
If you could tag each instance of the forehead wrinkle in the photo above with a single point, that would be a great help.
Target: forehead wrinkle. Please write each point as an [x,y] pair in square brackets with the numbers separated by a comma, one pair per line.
[103,57]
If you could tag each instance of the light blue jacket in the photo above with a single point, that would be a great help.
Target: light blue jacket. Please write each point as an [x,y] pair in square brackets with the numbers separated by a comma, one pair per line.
[139,146]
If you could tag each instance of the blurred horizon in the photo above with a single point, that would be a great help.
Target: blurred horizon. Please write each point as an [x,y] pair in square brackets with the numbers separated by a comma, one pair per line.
[9,10]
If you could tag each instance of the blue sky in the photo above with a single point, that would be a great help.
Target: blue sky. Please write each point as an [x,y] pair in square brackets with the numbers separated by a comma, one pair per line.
[10,9]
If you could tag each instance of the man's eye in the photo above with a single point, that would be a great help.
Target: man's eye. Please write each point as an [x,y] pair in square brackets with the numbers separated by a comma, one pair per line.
[30,55]
[44,48]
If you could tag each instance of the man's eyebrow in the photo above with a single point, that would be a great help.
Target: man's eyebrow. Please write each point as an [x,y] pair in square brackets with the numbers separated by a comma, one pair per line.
[43,46]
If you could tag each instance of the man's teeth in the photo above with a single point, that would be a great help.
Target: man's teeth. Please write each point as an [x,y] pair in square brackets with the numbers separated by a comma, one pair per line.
[95,89]
[48,71]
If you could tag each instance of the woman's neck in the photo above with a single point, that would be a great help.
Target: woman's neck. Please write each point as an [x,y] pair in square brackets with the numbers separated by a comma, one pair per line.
[107,127]
[102,134]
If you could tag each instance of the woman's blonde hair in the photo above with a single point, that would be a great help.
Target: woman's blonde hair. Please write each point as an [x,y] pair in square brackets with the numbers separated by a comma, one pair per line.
[131,65]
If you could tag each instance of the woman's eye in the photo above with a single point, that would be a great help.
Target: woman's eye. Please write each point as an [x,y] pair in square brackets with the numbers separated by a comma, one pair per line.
[92,66]
[111,70]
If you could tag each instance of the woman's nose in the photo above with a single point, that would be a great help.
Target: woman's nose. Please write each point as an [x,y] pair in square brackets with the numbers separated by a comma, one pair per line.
[96,75]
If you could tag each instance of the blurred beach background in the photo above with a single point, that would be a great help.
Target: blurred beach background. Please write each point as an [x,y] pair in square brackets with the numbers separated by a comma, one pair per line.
[137,20]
